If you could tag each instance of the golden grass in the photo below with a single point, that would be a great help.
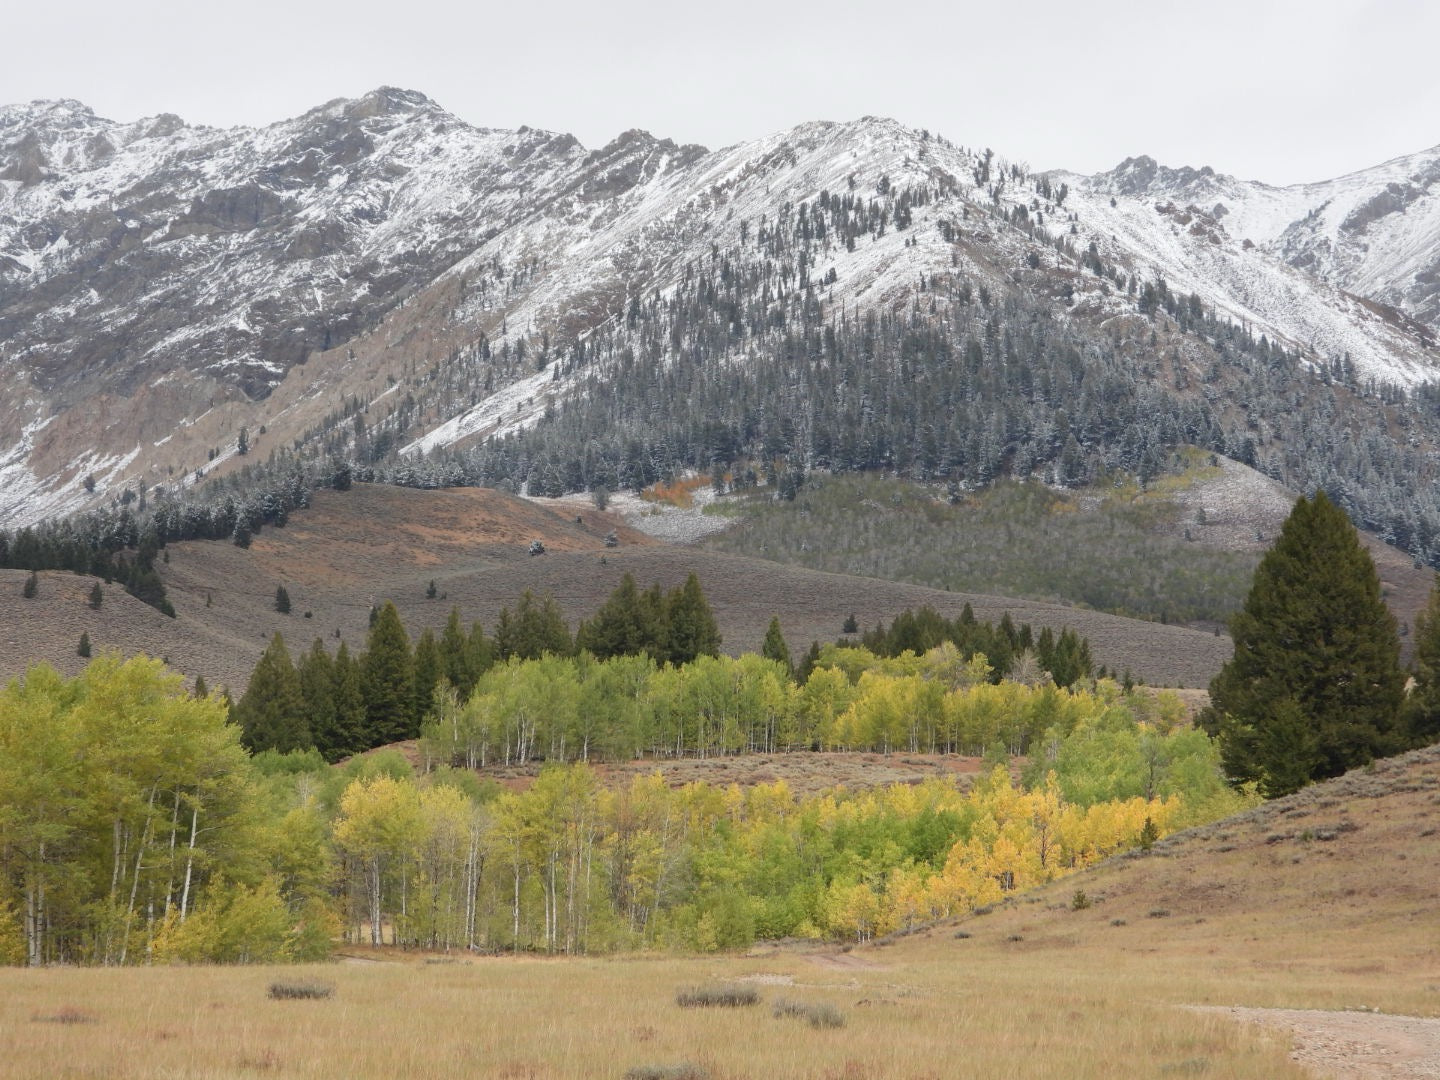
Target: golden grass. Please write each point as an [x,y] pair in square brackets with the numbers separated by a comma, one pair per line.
[943,1017]
[1325,900]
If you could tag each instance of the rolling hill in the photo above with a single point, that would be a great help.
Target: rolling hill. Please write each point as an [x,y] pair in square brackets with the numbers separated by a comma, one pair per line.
[352,550]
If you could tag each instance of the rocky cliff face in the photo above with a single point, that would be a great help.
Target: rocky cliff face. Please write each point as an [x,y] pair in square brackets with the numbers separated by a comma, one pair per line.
[163,286]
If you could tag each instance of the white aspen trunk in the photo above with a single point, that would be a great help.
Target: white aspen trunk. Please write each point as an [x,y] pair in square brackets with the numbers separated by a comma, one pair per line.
[35,913]
[174,828]
[135,880]
[515,940]
[189,863]
[404,907]
[376,934]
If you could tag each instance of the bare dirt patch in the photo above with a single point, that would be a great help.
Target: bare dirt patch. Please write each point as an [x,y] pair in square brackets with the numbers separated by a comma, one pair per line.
[1353,1045]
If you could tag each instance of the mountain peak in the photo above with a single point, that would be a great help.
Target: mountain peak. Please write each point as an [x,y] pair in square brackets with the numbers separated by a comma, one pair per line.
[1143,175]
[47,113]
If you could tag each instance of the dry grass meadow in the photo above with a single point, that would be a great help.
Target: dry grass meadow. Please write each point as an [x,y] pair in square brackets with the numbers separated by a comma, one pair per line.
[1329,899]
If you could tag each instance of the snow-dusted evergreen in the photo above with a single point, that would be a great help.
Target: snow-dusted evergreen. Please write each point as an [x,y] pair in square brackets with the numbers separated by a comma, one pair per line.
[378,278]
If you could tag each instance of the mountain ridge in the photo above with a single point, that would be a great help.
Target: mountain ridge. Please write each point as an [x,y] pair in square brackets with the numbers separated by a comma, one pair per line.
[181,283]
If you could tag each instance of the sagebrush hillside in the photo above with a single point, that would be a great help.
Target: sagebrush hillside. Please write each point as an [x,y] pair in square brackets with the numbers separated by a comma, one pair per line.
[352,550]
[1179,549]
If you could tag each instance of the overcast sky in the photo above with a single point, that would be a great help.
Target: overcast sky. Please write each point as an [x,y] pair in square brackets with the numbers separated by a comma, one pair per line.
[1275,91]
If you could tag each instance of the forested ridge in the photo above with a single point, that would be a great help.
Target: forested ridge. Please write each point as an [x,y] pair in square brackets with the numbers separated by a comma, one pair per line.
[1063,367]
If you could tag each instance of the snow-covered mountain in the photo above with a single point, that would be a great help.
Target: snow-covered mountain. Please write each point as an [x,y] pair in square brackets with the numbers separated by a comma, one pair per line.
[164,286]
[1374,233]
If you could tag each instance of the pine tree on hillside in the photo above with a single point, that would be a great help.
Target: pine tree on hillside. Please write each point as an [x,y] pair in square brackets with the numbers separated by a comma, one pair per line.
[479,657]
[1420,715]
[689,624]
[808,663]
[387,676]
[536,628]
[1315,685]
[31,586]
[282,600]
[453,656]
[348,694]
[316,672]
[97,597]
[626,625]
[774,647]
[83,648]
[429,670]
[271,712]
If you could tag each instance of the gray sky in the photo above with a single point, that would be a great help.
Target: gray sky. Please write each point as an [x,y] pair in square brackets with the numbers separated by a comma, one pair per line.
[1274,91]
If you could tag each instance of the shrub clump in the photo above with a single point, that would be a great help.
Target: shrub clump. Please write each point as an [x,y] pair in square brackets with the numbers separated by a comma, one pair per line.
[705,997]
[819,1015]
[293,991]
[682,1071]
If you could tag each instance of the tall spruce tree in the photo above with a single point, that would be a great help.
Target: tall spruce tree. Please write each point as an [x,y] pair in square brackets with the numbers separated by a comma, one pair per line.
[690,629]
[454,657]
[536,628]
[271,712]
[1421,713]
[387,675]
[1315,685]
[429,670]
[316,672]
[626,625]
[774,647]
[348,693]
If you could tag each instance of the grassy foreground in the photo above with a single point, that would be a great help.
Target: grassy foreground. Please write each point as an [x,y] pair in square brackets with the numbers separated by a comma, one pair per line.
[1327,899]
[979,1014]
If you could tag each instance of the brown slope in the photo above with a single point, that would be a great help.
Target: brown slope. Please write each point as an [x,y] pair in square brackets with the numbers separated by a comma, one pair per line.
[1326,899]
[352,550]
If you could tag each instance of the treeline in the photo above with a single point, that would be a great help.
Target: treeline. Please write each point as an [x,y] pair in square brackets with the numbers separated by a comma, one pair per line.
[643,677]
[342,705]
[1065,659]
[137,830]
[580,709]
[99,542]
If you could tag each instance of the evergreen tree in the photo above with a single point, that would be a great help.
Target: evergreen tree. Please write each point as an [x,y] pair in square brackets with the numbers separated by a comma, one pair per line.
[626,625]
[387,676]
[282,600]
[690,629]
[1315,685]
[454,656]
[271,712]
[97,597]
[83,649]
[1421,714]
[201,690]
[31,586]
[316,672]
[774,647]
[536,628]
[479,658]
[808,663]
[348,694]
[429,670]
[851,625]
